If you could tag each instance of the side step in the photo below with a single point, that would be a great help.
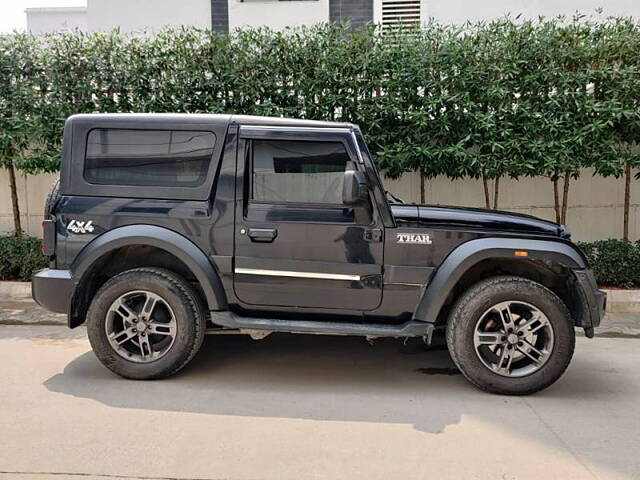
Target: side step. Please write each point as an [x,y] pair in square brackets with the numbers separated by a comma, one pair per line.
[412,328]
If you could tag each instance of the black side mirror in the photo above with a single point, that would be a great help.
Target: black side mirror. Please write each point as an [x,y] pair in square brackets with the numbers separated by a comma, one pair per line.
[354,189]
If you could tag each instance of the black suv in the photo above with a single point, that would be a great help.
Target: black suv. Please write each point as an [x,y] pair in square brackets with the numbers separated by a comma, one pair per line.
[168,227]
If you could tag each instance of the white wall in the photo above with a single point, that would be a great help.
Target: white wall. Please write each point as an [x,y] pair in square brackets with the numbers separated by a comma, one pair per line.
[32,193]
[277,14]
[137,15]
[46,20]
[459,11]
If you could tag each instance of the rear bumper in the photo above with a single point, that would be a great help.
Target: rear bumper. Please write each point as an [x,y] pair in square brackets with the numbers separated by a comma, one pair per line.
[52,289]
[596,300]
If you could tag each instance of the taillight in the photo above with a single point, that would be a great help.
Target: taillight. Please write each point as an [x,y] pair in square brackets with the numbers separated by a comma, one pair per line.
[42,239]
[48,244]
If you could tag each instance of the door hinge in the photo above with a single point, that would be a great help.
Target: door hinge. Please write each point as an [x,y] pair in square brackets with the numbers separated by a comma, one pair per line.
[373,235]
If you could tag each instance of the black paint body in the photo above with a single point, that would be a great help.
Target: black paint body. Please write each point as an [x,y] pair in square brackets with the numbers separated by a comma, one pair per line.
[210,230]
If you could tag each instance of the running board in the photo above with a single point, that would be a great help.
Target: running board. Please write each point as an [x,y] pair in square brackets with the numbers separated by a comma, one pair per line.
[412,328]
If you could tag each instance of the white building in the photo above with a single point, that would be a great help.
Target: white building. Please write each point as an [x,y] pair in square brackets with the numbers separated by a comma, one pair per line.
[227,15]
[43,20]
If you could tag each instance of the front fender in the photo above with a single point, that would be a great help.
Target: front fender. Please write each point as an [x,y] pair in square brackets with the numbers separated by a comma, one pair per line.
[470,253]
[162,238]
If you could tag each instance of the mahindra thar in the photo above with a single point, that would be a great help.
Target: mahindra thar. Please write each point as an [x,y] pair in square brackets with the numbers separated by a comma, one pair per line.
[166,227]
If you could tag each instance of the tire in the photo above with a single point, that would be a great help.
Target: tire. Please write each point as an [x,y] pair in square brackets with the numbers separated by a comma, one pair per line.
[175,301]
[52,198]
[482,307]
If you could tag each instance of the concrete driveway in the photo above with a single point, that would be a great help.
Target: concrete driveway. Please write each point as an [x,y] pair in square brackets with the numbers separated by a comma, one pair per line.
[297,407]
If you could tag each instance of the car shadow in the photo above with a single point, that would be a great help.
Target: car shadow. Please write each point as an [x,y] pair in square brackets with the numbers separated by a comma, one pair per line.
[309,377]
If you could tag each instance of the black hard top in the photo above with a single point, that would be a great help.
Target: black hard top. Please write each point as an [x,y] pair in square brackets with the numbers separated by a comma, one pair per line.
[199,118]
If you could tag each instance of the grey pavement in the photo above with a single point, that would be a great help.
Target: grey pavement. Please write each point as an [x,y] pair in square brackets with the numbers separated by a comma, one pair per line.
[24,311]
[297,407]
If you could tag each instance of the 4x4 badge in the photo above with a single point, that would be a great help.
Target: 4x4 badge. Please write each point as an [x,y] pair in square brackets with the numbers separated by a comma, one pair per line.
[80,227]
[419,238]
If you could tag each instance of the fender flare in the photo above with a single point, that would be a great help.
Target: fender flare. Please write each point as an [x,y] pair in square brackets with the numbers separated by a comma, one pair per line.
[179,246]
[472,252]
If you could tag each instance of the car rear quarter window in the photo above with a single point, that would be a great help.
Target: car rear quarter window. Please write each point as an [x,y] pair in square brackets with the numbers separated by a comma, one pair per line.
[162,158]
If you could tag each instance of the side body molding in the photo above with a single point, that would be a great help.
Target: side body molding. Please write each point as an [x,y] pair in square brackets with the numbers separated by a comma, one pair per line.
[470,253]
[165,239]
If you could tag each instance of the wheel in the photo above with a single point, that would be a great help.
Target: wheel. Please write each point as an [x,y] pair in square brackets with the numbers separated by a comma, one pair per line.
[510,335]
[145,323]
[52,198]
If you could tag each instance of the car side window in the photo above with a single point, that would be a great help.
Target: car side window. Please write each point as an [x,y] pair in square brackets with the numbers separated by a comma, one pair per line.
[300,172]
[163,158]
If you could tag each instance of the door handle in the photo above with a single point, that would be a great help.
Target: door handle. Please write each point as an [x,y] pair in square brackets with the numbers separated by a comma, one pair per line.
[262,234]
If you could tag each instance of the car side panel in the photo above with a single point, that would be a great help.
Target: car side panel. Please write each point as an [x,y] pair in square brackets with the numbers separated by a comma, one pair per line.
[410,266]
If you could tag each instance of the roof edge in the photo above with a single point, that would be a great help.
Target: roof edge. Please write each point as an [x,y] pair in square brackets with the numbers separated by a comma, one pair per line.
[78,9]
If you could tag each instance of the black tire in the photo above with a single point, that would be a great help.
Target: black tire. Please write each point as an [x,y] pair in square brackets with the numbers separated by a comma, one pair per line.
[468,311]
[52,198]
[182,299]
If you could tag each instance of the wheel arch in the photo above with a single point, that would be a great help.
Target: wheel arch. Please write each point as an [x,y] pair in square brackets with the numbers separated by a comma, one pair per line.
[180,252]
[545,261]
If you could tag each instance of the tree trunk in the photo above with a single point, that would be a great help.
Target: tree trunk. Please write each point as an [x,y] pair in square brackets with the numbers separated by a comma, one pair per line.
[627,200]
[496,189]
[17,224]
[423,193]
[485,184]
[556,198]
[565,197]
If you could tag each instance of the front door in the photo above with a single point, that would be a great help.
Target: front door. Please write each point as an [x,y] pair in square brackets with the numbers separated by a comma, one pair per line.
[296,244]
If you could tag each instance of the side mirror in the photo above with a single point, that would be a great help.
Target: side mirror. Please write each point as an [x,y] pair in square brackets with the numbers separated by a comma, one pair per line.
[354,188]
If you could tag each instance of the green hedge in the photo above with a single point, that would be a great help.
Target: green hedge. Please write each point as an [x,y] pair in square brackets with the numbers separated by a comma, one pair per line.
[616,263]
[20,257]
[510,97]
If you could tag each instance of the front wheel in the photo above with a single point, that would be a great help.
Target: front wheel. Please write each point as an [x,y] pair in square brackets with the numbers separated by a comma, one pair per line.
[145,323]
[510,335]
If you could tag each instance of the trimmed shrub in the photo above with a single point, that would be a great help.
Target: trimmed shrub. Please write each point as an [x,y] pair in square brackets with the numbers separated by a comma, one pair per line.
[20,257]
[615,263]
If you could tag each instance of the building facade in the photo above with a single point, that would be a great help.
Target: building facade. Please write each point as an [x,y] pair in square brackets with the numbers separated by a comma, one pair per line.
[227,15]
[44,20]
[220,15]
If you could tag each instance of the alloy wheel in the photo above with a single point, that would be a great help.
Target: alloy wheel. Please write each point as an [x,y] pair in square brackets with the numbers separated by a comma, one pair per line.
[141,326]
[513,339]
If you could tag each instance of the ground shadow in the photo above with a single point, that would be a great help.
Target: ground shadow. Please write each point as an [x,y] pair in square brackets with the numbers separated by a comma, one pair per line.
[308,377]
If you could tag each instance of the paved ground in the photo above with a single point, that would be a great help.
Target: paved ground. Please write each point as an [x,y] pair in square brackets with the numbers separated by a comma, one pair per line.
[24,311]
[297,407]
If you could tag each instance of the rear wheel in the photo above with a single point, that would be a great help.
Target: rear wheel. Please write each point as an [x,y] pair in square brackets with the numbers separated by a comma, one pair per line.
[510,335]
[145,323]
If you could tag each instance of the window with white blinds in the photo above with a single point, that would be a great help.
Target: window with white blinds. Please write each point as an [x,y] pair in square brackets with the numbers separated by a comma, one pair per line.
[394,14]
